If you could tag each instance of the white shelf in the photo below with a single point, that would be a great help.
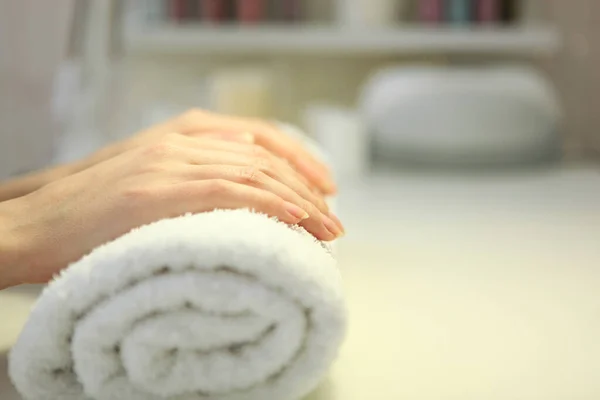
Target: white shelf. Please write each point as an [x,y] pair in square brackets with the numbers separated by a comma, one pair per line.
[533,41]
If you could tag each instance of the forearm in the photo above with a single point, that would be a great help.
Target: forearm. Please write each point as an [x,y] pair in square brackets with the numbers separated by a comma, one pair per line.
[24,185]
[12,246]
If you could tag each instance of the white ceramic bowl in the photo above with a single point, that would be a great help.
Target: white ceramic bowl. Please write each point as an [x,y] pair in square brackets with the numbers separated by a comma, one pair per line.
[462,114]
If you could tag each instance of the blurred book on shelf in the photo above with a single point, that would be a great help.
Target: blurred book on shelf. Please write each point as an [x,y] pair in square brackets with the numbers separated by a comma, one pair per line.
[471,12]
[487,11]
[458,12]
[430,11]
[508,11]
[251,11]
[222,11]
[350,13]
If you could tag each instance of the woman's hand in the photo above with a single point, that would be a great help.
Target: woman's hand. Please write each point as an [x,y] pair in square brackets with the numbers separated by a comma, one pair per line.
[171,176]
[194,123]
[197,123]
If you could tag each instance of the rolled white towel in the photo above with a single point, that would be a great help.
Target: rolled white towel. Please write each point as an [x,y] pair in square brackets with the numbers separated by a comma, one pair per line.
[222,305]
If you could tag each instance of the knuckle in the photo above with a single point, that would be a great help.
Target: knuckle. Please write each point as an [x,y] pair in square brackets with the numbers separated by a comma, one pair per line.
[324,206]
[264,165]
[216,187]
[251,176]
[160,150]
[320,202]
[311,208]
[314,210]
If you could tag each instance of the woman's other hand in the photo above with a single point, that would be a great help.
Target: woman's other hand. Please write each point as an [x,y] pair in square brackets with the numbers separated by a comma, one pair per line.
[197,123]
[163,178]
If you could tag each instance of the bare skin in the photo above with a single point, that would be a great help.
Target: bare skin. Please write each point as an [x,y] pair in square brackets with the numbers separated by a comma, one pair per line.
[194,123]
[156,175]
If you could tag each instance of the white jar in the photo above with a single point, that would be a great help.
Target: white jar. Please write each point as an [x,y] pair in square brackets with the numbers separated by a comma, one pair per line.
[244,91]
[341,134]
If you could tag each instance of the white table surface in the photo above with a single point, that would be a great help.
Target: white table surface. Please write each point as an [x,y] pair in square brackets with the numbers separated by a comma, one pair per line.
[462,288]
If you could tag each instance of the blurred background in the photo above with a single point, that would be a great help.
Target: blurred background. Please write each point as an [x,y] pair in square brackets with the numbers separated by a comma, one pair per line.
[464,134]
[489,81]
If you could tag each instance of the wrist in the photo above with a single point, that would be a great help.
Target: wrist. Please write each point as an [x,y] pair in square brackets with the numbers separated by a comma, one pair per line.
[56,173]
[27,184]
[13,245]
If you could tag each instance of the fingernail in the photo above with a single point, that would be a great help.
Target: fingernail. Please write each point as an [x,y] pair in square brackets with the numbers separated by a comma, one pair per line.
[332,227]
[296,211]
[335,219]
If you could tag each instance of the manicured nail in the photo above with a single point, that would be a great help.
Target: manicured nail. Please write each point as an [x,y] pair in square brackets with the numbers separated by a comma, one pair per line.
[332,227]
[296,211]
[335,219]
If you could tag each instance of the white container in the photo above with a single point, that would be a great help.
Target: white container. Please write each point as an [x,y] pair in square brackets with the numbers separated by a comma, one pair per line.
[463,115]
[341,134]
[370,13]
[243,91]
